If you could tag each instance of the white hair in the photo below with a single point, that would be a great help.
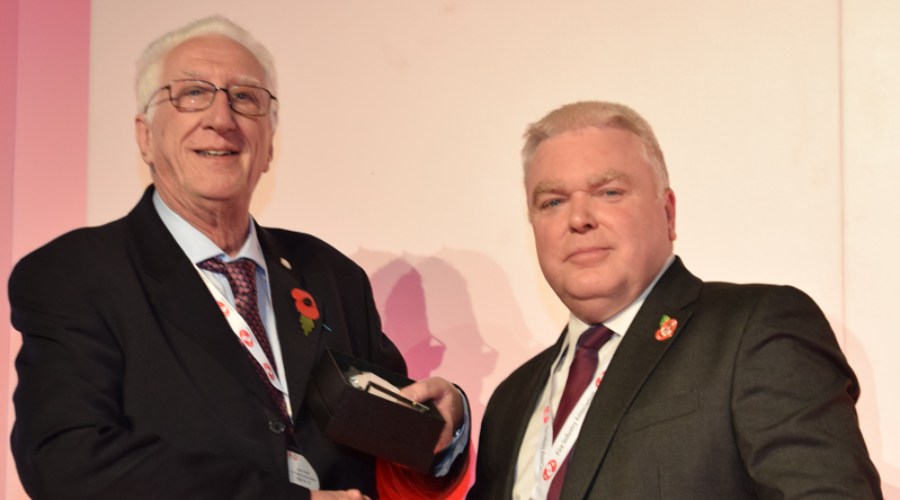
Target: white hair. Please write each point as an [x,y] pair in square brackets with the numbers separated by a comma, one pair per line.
[150,64]
[597,114]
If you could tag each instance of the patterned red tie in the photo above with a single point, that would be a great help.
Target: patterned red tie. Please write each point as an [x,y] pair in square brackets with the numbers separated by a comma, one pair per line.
[581,373]
[241,275]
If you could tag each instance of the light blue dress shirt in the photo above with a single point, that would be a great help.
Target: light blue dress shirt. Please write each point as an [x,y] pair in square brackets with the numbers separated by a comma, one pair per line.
[198,248]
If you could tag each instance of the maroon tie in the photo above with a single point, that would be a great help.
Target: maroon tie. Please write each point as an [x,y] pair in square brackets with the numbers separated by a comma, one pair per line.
[241,275]
[581,373]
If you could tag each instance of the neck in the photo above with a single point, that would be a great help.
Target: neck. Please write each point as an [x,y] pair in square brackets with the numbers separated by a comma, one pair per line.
[229,235]
[225,223]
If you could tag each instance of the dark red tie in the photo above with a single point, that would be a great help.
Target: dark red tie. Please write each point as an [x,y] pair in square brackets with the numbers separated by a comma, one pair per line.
[241,275]
[581,373]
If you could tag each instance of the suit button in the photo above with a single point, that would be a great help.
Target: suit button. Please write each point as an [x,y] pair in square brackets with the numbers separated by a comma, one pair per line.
[276,427]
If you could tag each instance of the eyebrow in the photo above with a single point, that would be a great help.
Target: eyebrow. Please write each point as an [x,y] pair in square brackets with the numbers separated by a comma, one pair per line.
[596,181]
[248,80]
[552,187]
[559,187]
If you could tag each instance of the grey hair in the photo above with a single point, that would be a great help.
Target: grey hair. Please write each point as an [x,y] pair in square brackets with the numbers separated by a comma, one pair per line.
[150,64]
[597,114]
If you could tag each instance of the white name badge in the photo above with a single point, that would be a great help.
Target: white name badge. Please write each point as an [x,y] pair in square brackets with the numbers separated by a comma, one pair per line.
[301,472]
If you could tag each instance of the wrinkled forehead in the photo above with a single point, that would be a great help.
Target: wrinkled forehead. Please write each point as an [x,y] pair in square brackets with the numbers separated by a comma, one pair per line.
[213,56]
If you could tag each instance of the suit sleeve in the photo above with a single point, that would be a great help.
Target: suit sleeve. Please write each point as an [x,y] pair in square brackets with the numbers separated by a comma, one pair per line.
[793,405]
[71,438]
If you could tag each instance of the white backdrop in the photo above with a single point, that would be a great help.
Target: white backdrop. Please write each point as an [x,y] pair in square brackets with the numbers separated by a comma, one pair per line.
[400,126]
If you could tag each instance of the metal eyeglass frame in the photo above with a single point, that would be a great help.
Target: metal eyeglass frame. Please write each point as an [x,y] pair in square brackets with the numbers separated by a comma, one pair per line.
[212,100]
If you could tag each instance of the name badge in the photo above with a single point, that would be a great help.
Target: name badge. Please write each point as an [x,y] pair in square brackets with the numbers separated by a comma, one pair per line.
[301,472]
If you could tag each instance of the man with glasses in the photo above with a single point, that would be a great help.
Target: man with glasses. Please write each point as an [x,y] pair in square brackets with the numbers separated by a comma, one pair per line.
[166,355]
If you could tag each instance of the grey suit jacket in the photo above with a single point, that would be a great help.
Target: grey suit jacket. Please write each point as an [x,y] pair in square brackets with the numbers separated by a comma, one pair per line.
[750,398]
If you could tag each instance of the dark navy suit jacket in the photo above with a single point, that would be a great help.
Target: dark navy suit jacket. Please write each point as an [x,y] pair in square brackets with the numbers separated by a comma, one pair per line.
[132,385]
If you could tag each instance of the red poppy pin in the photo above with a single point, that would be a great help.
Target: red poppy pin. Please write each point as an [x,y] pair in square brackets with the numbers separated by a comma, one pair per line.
[306,306]
[667,328]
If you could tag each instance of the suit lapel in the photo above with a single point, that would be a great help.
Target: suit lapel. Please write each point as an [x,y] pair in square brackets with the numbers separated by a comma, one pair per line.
[176,290]
[634,361]
[299,350]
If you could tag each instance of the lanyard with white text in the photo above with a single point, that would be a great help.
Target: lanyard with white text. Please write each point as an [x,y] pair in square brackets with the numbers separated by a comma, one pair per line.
[246,336]
[552,453]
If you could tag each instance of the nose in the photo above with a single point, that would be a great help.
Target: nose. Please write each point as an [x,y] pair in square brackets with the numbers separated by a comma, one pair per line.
[581,214]
[219,116]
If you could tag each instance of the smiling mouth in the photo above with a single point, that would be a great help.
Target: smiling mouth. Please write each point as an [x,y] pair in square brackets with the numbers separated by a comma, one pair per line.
[213,152]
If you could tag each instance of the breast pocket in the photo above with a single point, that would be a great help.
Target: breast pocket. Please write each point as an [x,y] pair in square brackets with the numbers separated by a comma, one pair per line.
[659,412]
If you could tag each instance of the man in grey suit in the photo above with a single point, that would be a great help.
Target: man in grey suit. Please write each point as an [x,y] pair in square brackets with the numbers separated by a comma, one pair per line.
[661,386]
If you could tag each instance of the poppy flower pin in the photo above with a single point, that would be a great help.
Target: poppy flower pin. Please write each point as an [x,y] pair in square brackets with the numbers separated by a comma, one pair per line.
[306,306]
[667,328]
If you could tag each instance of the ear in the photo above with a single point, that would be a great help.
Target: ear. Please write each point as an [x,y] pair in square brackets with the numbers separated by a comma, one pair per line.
[143,137]
[669,199]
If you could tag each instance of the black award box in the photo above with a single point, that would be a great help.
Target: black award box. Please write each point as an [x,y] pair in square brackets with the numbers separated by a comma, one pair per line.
[367,422]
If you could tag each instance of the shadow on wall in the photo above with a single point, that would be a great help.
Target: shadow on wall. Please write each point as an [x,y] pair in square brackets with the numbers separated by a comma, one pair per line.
[869,412]
[409,306]
[405,318]
[440,311]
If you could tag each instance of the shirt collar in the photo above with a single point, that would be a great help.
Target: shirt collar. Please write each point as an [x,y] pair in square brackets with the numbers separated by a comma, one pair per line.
[197,246]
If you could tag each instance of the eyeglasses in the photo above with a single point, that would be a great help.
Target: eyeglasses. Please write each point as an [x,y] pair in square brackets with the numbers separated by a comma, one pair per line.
[197,95]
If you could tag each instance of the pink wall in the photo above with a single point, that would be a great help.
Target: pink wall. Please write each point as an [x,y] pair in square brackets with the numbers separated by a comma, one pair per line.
[43,182]
[8,45]
[51,124]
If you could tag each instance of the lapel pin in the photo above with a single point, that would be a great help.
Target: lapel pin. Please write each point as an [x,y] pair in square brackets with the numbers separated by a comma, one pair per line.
[285,263]
[306,306]
[667,328]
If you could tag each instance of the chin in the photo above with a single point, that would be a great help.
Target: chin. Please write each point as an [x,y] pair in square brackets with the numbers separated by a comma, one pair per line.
[594,301]
[591,284]
[587,293]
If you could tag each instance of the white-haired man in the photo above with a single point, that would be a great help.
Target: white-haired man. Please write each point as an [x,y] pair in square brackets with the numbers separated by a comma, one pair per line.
[661,386]
[166,355]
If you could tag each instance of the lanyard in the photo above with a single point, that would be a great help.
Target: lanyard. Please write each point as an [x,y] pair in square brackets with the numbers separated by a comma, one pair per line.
[247,338]
[552,453]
